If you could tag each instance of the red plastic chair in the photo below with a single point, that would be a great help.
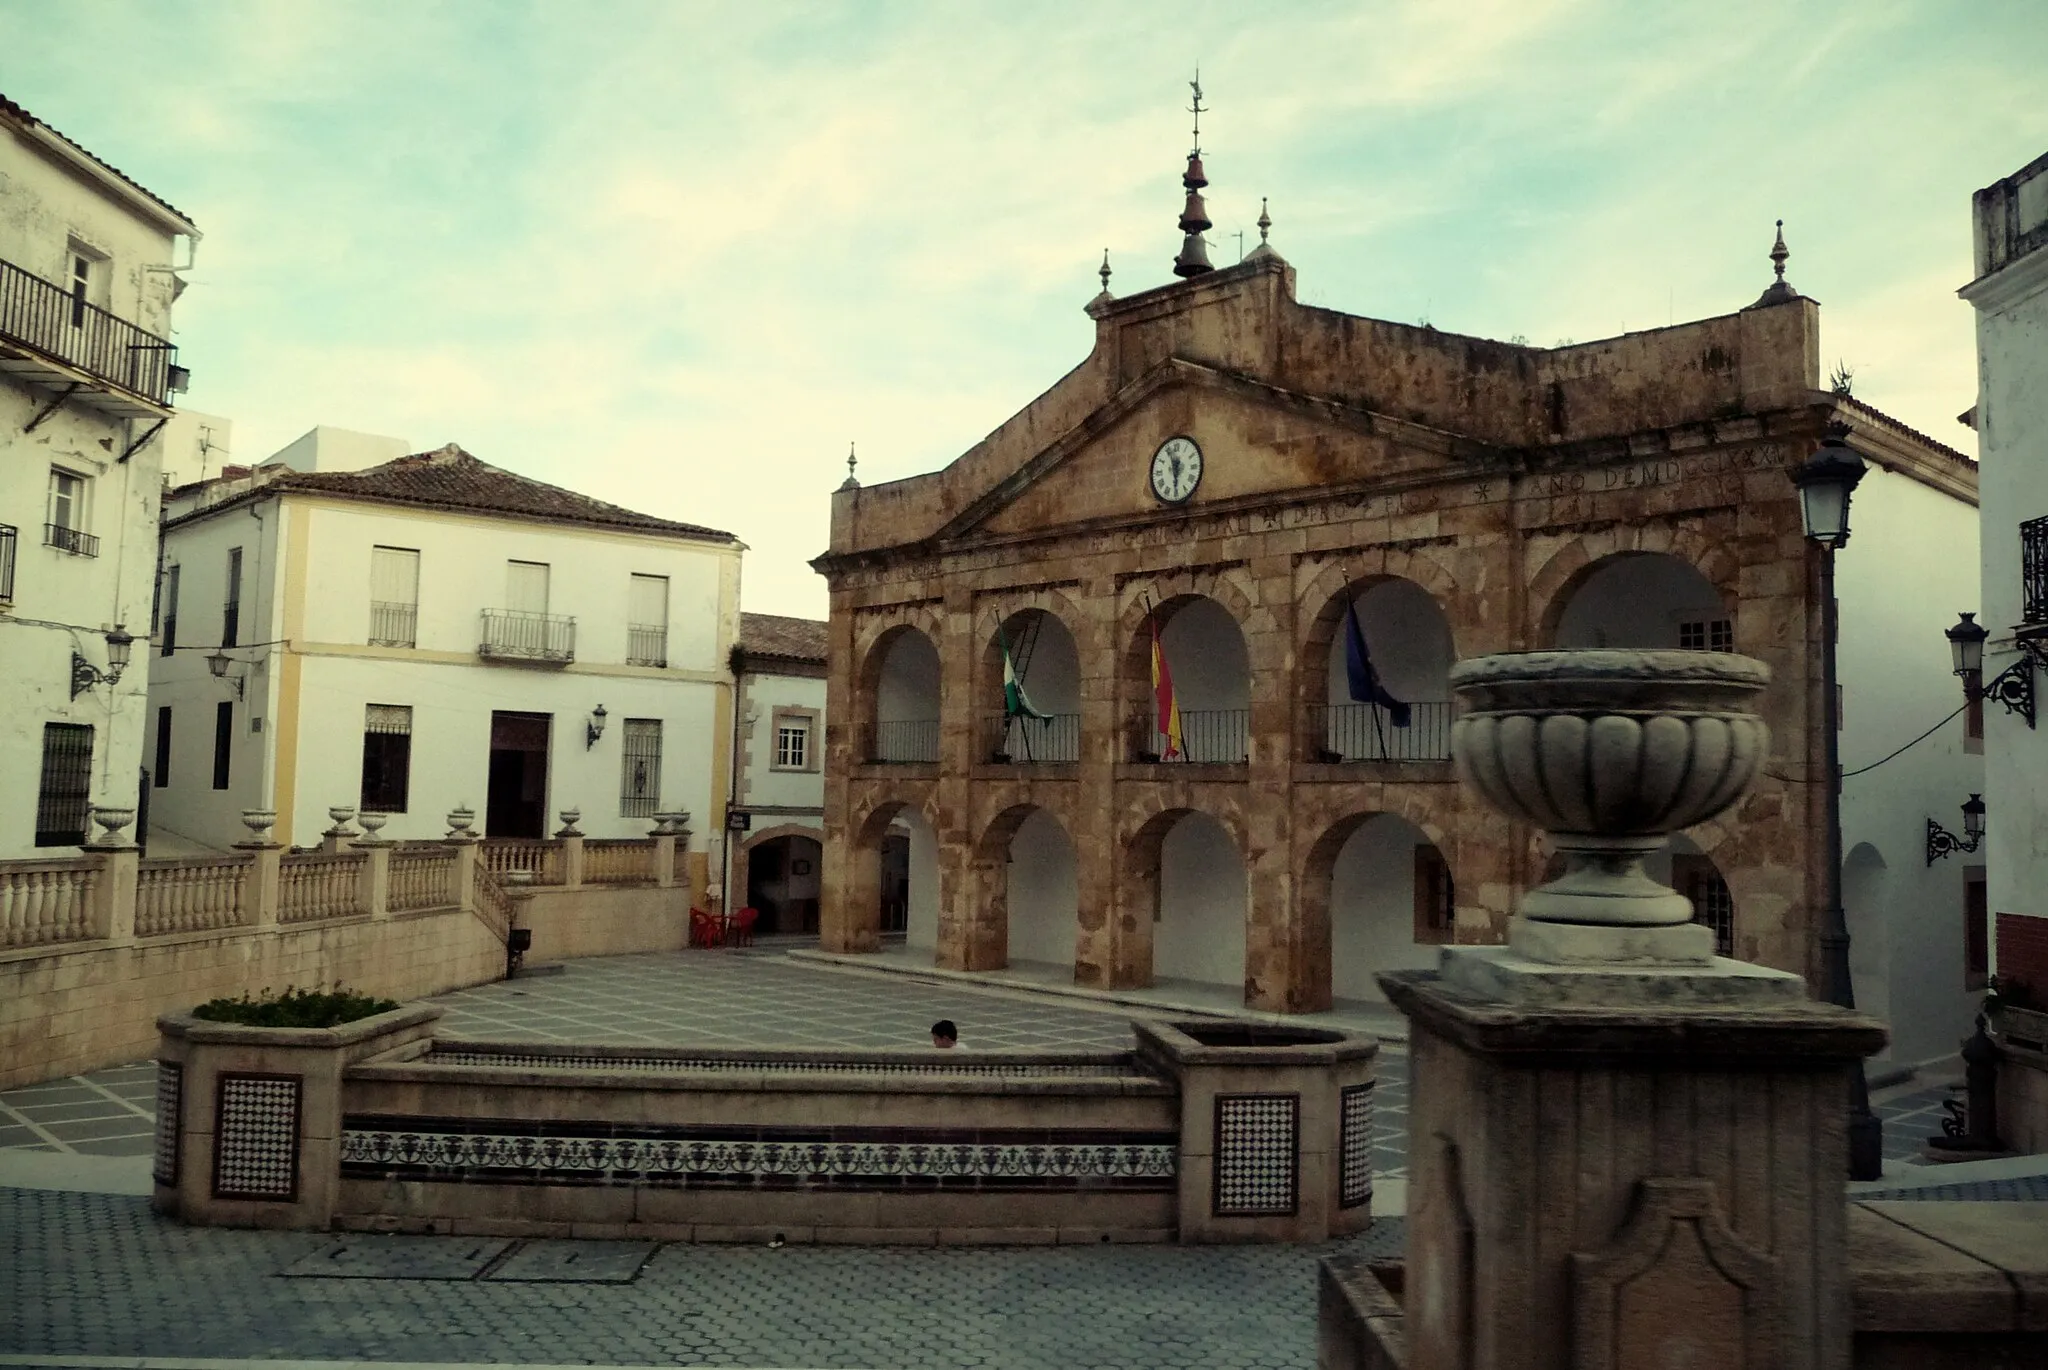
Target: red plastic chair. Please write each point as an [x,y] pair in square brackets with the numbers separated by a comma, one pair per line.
[740,932]
[705,930]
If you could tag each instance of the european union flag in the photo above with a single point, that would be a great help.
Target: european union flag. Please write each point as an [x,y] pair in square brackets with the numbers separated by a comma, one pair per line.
[1365,682]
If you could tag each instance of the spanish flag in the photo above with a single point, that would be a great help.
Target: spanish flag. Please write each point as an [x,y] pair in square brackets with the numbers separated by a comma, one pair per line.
[1162,692]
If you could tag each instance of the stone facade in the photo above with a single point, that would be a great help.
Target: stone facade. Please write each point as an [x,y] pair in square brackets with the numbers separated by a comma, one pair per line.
[1341,452]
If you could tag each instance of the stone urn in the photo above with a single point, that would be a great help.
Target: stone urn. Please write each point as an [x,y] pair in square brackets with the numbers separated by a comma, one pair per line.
[259,822]
[341,814]
[460,821]
[570,818]
[111,821]
[1609,752]
[373,823]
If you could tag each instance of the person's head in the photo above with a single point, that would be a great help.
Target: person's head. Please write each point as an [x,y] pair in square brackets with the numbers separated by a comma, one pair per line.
[944,1034]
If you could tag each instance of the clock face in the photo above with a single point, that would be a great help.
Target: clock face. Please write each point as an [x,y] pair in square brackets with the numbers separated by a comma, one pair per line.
[1176,470]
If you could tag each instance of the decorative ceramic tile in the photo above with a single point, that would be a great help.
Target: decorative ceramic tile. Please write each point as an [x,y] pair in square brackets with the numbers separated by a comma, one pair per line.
[459,1056]
[848,1158]
[170,1089]
[1256,1160]
[1354,1145]
[256,1137]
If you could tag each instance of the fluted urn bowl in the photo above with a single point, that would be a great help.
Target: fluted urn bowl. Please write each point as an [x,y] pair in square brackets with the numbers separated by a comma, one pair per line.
[1609,752]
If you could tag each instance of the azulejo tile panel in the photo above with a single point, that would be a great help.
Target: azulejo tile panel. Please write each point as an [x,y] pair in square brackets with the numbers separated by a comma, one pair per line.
[510,1151]
[1257,1160]
[1354,1145]
[256,1137]
[693,1065]
[170,1091]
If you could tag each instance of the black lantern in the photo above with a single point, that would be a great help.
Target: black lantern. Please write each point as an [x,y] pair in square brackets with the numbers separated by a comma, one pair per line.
[1940,841]
[594,729]
[217,662]
[85,675]
[1973,816]
[1825,483]
[2013,687]
[1966,645]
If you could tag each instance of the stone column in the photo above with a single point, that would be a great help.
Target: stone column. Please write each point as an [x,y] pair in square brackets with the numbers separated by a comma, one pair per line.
[376,888]
[113,915]
[260,881]
[463,873]
[571,838]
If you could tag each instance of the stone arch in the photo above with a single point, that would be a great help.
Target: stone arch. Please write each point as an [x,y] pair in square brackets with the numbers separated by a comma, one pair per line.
[1012,905]
[1152,877]
[1865,875]
[1317,900]
[1567,568]
[870,827]
[1222,691]
[1057,690]
[742,857]
[1320,620]
[874,645]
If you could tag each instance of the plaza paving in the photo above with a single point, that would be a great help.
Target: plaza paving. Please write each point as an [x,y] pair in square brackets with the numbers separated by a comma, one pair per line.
[97,1276]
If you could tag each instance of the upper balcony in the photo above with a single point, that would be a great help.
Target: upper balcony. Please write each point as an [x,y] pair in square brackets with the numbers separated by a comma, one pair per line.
[514,635]
[2034,571]
[56,341]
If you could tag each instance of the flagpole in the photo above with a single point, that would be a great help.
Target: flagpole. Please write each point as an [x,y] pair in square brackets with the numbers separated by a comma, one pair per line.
[1379,730]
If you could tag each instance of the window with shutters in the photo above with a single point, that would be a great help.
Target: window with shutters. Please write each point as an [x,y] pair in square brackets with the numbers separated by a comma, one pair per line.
[647,621]
[66,520]
[1435,899]
[387,757]
[64,799]
[394,596]
[231,607]
[161,776]
[640,768]
[795,731]
[223,741]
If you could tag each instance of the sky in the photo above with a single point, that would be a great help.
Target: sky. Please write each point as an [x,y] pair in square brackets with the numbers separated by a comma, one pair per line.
[680,256]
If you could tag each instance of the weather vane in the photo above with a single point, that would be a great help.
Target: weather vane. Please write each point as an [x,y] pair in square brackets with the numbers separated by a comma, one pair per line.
[1196,108]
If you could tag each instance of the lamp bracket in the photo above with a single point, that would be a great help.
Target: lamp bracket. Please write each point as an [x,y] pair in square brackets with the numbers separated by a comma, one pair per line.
[2014,686]
[1941,842]
[84,675]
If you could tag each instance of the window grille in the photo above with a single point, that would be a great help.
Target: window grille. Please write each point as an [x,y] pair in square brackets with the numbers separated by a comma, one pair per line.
[162,778]
[387,757]
[231,611]
[63,802]
[8,538]
[2034,570]
[1707,635]
[640,768]
[223,740]
[1713,905]
[793,744]
[170,618]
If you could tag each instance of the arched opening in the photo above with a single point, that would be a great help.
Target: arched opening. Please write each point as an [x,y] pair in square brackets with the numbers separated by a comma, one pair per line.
[1391,900]
[1041,720]
[896,874]
[1870,954]
[1384,696]
[783,883]
[1039,884]
[1643,600]
[1199,917]
[1210,669]
[901,681]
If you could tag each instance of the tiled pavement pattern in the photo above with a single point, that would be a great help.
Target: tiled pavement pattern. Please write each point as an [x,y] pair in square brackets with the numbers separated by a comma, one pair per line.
[93,1275]
[680,999]
[1910,1115]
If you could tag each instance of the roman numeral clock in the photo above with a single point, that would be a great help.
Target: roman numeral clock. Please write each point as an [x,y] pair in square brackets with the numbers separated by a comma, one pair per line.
[1176,470]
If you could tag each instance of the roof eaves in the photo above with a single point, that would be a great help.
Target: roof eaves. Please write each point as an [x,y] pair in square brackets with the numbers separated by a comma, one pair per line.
[76,152]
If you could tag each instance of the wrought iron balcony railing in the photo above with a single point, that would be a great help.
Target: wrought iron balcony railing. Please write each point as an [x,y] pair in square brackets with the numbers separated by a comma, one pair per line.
[44,316]
[70,540]
[1216,737]
[1366,732]
[646,645]
[1022,741]
[8,538]
[2034,570]
[907,740]
[513,635]
[395,624]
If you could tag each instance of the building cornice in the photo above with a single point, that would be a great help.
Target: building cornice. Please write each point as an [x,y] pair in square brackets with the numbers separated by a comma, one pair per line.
[2013,283]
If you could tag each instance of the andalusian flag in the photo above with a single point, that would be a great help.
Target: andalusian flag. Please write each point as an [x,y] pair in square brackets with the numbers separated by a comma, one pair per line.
[1016,704]
[1162,691]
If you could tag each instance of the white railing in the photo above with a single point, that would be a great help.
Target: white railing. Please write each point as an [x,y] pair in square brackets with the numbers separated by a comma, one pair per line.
[420,880]
[46,901]
[181,896]
[318,886]
[543,859]
[622,861]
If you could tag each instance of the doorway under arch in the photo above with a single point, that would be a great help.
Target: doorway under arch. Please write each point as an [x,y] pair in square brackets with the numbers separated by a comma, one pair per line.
[1391,901]
[783,883]
[1198,929]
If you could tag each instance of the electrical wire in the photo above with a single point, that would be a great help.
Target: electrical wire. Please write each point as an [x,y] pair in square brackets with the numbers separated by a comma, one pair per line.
[1795,780]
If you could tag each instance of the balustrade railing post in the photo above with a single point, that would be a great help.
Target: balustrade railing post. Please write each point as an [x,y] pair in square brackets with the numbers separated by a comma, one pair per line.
[120,868]
[376,880]
[572,849]
[260,894]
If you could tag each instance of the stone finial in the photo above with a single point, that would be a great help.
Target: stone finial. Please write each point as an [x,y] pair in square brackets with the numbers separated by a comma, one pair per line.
[1780,290]
[1264,251]
[1265,221]
[459,823]
[259,822]
[373,823]
[570,818]
[851,482]
[111,821]
[341,814]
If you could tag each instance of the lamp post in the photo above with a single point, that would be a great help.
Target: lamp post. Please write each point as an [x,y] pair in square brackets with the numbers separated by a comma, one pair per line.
[85,675]
[1825,482]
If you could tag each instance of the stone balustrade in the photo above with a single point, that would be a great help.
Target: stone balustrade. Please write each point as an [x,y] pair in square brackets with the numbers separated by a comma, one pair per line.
[190,896]
[42,902]
[313,888]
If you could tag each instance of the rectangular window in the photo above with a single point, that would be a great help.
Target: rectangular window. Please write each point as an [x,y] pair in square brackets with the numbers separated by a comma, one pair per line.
[526,587]
[67,499]
[1973,713]
[7,541]
[792,744]
[394,596]
[162,776]
[1707,635]
[1976,930]
[63,801]
[223,738]
[81,287]
[387,757]
[1435,900]
[1697,879]
[640,768]
[169,635]
[231,608]
[647,621]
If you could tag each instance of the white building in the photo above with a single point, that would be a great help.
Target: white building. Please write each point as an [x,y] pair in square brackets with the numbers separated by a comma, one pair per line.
[194,447]
[435,633]
[775,860]
[86,375]
[2011,296]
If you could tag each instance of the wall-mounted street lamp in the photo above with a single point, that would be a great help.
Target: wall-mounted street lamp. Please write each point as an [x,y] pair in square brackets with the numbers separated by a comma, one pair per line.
[1940,841]
[218,662]
[85,675]
[2013,687]
[594,729]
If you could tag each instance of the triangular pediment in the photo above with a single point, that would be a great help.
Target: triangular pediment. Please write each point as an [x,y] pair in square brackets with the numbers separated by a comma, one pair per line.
[1258,441]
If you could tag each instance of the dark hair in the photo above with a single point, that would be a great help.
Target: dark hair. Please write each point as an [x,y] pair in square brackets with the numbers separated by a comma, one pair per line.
[944,1028]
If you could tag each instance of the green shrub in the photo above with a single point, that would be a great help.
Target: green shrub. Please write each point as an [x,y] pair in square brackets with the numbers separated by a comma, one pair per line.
[295,1008]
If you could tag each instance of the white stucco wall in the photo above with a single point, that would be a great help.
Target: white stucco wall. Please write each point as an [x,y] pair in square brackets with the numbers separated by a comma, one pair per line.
[908,691]
[763,783]
[306,576]
[1044,892]
[1907,571]
[1372,907]
[1202,899]
[921,927]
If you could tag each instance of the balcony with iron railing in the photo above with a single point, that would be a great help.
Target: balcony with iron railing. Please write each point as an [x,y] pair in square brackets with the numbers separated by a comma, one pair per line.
[1209,737]
[8,538]
[517,635]
[2034,571]
[73,540]
[394,624]
[1367,732]
[647,644]
[55,338]
[906,741]
[1015,740]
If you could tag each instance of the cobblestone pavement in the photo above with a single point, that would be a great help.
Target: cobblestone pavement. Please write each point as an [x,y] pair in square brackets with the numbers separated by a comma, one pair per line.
[96,1275]
[1910,1114]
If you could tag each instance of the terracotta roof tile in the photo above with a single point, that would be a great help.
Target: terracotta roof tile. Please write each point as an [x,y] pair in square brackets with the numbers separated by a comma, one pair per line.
[801,639]
[451,478]
[12,110]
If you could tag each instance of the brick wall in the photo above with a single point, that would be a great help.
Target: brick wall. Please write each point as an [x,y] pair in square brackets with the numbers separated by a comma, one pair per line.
[2023,953]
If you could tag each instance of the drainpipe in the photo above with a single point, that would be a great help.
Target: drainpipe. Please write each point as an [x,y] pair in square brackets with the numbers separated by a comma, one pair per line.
[736,662]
